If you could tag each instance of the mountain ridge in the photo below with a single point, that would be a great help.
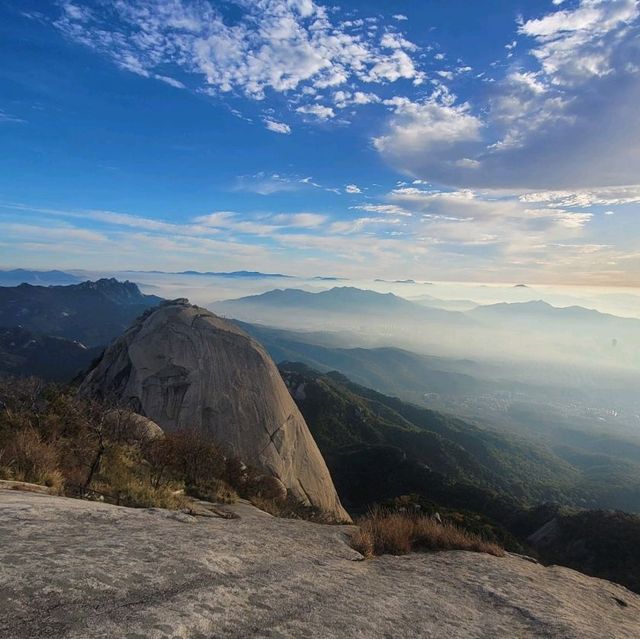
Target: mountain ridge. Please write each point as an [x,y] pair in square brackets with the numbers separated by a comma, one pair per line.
[92,312]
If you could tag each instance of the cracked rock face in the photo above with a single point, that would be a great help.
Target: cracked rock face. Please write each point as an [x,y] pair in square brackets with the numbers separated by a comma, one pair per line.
[73,569]
[183,367]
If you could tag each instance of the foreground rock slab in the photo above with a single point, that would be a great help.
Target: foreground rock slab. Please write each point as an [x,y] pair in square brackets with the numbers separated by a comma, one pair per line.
[78,569]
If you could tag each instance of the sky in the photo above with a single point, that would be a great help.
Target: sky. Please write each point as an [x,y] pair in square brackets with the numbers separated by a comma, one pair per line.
[494,141]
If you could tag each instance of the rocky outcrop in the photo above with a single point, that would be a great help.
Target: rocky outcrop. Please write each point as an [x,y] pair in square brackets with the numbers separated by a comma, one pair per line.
[183,367]
[75,569]
[138,428]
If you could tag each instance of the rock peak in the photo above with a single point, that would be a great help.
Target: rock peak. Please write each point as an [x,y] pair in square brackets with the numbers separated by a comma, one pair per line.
[184,367]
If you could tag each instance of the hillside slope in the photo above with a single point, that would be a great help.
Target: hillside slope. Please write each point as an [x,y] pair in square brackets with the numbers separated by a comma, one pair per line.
[596,542]
[53,358]
[71,568]
[380,447]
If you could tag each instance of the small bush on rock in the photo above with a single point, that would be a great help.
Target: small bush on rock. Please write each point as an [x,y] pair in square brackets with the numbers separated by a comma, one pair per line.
[291,508]
[386,532]
[214,490]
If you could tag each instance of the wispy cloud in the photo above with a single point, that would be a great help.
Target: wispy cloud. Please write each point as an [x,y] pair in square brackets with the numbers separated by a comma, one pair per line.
[269,183]
[610,196]
[272,46]
[6,117]
[464,233]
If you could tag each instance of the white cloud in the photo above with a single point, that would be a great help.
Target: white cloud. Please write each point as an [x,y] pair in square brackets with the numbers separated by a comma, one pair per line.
[392,40]
[387,209]
[261,225]
[348,227]
[299,220]
[468,218]
[75,12]
[277,127]
[51,233]
[395,66]
[280,46]
[463,233]
[352,188]
[565,118]
[433,128]
[176,84]
[611,196]
[400,17]
[343,99]
[317,110]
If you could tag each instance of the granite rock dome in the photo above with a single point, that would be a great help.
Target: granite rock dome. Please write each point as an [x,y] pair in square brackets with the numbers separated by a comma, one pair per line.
[183,367]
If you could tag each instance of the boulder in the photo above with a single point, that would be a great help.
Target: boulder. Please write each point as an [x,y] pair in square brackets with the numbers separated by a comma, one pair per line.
[138,428]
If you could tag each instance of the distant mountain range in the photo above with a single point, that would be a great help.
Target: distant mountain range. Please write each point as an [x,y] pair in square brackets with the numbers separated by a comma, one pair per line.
[572,321]
[230,275]
[92,313]
[541,309]
[356,301]
[350,303]
[41,278]
[447,305]
[340,299]
[531,330]
[17,276]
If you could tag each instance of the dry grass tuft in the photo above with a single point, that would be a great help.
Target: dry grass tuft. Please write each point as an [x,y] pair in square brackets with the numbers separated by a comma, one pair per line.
[383,532]
[213,490]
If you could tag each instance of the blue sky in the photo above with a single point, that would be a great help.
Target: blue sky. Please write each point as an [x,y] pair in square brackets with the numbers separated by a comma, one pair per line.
[484,141]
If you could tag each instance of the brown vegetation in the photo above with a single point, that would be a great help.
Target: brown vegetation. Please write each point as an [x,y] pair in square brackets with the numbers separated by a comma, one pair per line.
[290,508]
[85,448]
[397,533]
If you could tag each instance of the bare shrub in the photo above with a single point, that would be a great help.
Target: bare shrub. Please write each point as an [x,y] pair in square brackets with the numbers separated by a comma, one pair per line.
[196,458]
[362,541]
[268,487]
[291,508]
[95,449]
[30,459]
[214,490]
[386,532]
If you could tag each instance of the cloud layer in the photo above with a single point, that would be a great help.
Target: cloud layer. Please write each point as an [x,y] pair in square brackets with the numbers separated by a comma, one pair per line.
[252,48]
[563,115]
